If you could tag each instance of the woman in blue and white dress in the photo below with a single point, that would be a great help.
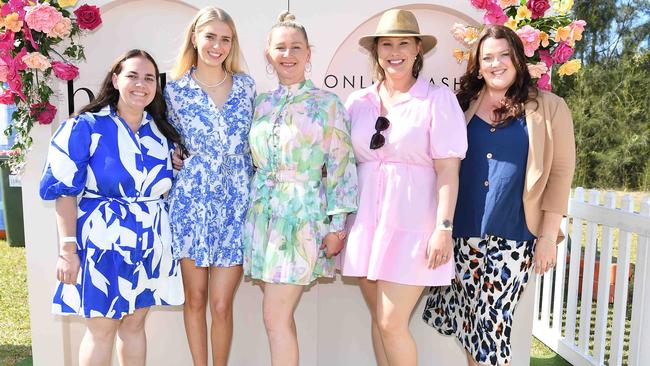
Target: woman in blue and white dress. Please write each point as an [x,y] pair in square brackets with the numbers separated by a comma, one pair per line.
[210,102]
[115,256]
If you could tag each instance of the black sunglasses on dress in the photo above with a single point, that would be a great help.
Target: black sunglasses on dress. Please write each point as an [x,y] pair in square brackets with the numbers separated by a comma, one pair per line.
[378,140]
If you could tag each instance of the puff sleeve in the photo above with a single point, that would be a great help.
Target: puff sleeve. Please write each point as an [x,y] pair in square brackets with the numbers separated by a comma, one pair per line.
[67,159]
[448,136]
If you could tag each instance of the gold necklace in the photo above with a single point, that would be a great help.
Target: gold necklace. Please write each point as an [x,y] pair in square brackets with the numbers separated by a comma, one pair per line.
[225,76]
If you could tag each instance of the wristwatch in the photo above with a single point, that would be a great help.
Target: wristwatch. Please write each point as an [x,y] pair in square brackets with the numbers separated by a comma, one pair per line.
[444,225]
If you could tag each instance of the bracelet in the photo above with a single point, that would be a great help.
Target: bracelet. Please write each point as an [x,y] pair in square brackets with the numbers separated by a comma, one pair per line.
[68,239]
[546,238]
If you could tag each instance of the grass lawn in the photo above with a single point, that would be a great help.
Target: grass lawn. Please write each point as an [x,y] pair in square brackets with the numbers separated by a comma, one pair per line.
[15,342]
[541,355]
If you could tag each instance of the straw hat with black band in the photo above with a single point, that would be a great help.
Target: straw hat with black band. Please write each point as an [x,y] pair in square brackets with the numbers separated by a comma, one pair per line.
[398,23]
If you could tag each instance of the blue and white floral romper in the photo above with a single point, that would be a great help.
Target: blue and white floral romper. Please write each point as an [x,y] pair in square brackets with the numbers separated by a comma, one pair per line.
[210,197]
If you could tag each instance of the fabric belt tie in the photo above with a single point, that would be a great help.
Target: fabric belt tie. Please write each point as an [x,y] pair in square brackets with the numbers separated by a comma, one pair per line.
[119,206]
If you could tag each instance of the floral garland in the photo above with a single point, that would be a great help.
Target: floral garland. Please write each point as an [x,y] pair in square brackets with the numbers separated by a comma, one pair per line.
[548,36]
[29,32]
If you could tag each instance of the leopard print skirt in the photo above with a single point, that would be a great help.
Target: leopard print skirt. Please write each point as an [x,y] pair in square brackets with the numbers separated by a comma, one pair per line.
[491,274]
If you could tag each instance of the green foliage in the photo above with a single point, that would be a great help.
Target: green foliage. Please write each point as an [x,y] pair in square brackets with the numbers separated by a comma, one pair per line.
[614,28]
[611,109]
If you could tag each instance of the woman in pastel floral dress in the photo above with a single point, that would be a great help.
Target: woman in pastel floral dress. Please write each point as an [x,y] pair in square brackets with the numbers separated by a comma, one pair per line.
[210,102]
[299,133]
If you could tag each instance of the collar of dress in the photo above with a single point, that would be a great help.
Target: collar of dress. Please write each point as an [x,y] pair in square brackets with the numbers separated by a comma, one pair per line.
[293,89]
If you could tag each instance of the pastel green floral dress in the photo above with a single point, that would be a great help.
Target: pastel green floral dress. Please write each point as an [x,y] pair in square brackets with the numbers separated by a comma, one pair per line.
[304,186]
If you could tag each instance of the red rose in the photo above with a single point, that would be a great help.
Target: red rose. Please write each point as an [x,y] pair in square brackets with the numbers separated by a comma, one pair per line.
[44,112]
[64,71]
[8,97]
[88,17]
[538,7]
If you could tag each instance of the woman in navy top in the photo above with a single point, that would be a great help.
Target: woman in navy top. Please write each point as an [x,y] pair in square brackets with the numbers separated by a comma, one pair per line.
[115,256]
[513,191]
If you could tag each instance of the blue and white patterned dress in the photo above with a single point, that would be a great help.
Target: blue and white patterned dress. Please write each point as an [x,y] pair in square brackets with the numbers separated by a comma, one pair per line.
[122,223]
[210,197]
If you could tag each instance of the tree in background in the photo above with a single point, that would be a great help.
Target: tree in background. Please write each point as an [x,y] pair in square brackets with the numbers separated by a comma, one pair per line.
[610,97]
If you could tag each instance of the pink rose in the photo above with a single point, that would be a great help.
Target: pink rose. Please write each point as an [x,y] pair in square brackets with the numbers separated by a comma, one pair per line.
[6,43]
[35,60]
[64,71]
[88,17]
[14,6]
[545,57]
[61,29]
[537,70]
[562,53]
[42,17]
[495,14]
[530,38]
[4,70]
[44,112]
[544,82]
[481,4]
[8,97]
[538,7]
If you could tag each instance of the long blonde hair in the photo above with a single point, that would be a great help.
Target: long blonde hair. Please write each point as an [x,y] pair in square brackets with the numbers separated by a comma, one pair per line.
[188,55]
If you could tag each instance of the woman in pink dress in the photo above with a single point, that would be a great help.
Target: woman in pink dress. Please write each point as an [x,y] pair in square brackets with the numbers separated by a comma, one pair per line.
[408,137]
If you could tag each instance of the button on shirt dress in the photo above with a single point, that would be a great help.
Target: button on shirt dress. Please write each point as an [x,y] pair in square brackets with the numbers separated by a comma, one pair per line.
[397,183]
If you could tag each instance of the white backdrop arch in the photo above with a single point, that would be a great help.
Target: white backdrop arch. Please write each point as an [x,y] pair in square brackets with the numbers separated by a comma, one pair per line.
[333,323]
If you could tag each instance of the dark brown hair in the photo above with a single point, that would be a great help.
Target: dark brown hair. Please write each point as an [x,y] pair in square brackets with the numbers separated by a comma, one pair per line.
[520,92]
[108,95]
[379,74]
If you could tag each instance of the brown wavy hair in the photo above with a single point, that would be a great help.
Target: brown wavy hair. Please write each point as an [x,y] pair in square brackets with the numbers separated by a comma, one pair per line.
[108,95]
[520,92]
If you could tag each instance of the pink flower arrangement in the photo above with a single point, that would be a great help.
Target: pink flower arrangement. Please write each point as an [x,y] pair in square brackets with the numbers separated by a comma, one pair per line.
[538,7]
[64,71]
[29,32]
[35,60]
[530,38]
[548,38]
[42,17]
[562,53]
[494,14]
[88,17]
[43,112]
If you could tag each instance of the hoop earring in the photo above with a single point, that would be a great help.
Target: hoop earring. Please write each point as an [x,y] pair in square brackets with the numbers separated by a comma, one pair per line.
[308,67]
[269,69]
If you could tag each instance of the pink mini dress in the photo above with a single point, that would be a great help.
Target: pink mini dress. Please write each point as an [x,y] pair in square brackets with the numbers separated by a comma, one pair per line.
[388,236]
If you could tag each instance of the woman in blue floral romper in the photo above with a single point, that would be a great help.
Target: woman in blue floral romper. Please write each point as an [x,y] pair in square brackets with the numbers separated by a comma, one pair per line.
[210,102]
[115,256]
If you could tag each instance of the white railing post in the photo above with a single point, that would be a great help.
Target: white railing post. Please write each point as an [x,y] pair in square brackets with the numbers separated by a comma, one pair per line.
[620,295]
[560,271]
[640,332]
[588,269]
[602,303]
[574,271]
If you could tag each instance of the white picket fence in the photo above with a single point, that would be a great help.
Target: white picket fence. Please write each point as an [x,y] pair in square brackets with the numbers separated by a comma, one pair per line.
[599,236]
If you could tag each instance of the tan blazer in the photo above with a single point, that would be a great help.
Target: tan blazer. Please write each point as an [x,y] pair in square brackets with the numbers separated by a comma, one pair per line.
[551,157]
